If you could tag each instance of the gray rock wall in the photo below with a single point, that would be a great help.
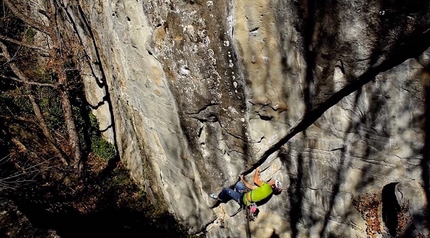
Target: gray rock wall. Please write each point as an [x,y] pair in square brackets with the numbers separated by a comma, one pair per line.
[329,96]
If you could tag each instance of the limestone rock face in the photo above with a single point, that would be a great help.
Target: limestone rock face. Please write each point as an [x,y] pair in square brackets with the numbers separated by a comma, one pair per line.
[329,96]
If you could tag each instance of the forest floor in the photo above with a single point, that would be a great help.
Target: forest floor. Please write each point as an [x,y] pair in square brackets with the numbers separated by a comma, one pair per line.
[96,204]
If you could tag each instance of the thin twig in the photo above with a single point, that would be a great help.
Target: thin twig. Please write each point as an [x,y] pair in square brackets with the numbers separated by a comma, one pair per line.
[31,83]
[7,157]
[18,42]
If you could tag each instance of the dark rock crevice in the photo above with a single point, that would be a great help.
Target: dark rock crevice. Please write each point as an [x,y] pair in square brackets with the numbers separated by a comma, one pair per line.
[390,208]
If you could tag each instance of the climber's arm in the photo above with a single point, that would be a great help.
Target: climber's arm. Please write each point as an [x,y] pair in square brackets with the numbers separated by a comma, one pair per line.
[257,177]
[248,185]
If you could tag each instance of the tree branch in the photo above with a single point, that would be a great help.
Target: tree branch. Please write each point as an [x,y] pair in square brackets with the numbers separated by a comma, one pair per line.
[31,83]
[36,109]
[17,118]
[5,38]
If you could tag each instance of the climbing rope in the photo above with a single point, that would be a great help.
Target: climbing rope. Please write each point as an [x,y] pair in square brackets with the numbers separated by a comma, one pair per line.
[247,219]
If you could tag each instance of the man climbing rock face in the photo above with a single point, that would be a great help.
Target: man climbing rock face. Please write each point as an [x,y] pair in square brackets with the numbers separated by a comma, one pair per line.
[246,194]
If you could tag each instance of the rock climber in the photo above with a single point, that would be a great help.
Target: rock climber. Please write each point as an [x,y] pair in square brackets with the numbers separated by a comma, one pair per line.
[247,194]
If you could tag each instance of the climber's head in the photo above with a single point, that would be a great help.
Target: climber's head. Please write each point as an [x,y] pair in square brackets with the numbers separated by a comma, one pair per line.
[276,186]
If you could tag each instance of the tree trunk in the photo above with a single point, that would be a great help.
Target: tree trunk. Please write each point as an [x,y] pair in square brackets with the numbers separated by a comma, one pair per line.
[59,52]
[36,108]
[71,129]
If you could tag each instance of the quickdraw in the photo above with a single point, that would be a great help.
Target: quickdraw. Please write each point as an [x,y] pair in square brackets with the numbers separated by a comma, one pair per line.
[251,212]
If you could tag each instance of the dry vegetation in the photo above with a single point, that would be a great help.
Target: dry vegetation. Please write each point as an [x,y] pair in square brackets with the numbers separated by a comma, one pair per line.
[368,206]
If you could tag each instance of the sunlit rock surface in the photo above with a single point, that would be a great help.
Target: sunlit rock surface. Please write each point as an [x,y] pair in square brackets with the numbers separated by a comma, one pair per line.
[193,93]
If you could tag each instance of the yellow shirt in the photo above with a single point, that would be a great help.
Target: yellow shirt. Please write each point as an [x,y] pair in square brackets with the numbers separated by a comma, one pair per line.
[257,194]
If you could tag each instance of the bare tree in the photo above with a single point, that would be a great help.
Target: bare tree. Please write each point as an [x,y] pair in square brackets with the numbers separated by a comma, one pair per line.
[38,113]
[45,20]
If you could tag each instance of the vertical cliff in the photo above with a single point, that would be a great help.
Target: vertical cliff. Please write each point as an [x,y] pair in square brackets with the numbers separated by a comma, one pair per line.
[330,96]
